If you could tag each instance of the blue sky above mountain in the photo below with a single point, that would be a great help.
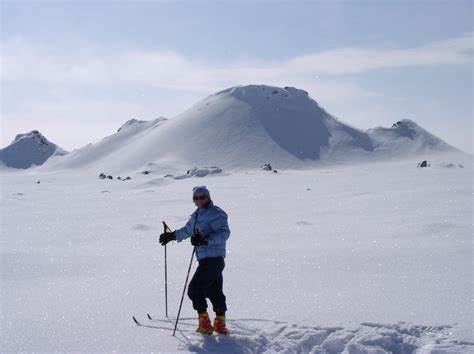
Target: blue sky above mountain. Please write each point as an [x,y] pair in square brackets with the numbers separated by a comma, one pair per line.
[75,70]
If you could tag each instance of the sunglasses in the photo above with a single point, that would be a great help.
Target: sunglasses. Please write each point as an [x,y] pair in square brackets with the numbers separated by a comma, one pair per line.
[199,197]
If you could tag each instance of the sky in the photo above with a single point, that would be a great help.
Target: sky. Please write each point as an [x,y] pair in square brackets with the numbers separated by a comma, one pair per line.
[77,70]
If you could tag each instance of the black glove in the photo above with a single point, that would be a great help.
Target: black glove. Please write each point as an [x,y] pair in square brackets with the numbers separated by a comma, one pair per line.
[167,237]
[199,239]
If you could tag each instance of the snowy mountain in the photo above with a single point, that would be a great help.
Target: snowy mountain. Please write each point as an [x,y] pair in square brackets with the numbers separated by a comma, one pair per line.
[406,136]
[244,127]
[29,149]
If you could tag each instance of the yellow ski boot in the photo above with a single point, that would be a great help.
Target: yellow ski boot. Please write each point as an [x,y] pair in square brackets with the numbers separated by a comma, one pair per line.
[219,325]
[204,324]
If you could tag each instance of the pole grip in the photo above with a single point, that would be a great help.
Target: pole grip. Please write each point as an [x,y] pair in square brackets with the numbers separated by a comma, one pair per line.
[166,227]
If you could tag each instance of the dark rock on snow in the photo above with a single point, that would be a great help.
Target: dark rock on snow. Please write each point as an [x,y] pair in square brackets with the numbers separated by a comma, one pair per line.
[423,163]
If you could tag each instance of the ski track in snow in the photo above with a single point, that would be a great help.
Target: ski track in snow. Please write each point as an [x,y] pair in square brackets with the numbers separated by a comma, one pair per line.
[266,336]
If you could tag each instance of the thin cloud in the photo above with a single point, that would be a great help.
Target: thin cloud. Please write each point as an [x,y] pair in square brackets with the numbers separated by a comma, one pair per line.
[357,60]
[25,61]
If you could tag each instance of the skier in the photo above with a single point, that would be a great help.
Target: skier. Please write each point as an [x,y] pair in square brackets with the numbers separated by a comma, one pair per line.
[209,231]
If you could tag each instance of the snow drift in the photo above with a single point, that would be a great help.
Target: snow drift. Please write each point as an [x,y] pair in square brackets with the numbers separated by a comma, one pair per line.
[244,127]
[29,149]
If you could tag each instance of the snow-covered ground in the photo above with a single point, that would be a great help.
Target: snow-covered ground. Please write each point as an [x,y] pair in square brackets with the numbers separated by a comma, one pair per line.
[362,258]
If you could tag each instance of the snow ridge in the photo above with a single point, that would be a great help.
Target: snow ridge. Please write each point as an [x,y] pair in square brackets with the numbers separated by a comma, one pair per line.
[244,127]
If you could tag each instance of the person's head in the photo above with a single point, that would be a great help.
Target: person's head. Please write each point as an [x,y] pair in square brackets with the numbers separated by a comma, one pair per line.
[201,196]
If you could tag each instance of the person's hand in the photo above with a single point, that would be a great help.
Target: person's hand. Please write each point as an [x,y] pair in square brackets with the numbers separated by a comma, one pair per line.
[198,239]
[167,237]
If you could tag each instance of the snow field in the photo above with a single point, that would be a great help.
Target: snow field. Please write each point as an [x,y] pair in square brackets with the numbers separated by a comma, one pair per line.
[366,258]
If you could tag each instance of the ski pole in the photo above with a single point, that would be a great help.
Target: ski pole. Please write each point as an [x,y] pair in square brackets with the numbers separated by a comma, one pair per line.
[165,228]
[184,290]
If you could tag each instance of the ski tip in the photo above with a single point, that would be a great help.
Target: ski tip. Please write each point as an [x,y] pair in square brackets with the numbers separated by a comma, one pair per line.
[149,317]
[135,320]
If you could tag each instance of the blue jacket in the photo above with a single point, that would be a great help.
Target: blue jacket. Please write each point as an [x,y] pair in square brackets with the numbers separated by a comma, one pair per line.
[212,221]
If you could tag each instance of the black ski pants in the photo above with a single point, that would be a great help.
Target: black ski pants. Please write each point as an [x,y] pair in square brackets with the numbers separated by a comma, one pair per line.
[207,283]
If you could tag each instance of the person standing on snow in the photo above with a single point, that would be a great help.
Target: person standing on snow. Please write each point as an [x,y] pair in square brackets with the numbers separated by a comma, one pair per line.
[209,231]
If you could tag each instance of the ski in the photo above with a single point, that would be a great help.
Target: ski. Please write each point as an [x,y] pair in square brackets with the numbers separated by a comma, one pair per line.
[151,319]
[138,323]
[155,324]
